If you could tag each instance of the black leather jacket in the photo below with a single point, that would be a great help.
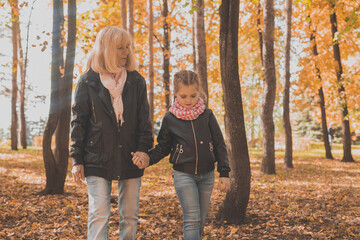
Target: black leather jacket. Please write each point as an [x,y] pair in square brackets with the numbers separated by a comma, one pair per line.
[97,140]
[194,146]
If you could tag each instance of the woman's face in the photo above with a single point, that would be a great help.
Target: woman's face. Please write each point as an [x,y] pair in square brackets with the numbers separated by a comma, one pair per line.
[122,53]
[187,95]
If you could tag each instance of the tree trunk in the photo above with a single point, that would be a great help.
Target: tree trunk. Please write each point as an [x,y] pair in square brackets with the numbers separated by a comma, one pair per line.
[268,161]
[50,160]
[321,96]
[166,55]
[200,43]
[63,126]
[23,68]
[123,14]
[14,118]
[22,93]
[151,62]
[60,104]
[234,206]
[131,17]
[346,135]
[286,116]
[260,31]
[193,39]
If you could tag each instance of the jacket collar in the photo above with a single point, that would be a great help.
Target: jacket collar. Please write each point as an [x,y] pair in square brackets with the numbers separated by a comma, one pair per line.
[93,80]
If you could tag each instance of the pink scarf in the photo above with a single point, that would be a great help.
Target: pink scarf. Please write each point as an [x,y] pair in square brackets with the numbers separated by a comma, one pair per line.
[115,84]
[187,113]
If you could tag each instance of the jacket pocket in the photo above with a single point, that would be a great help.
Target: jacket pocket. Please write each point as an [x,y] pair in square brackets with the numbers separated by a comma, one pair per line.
[176,155]
[94,137]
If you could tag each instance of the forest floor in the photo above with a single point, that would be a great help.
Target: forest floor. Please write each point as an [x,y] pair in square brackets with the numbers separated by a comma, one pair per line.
[317,199]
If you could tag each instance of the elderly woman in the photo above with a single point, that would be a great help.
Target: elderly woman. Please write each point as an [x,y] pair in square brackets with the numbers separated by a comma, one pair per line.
[110,125]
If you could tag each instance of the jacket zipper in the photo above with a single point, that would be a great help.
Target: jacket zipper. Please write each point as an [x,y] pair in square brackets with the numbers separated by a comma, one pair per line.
[93,110]
[180,152]
[177,149]
[196,148]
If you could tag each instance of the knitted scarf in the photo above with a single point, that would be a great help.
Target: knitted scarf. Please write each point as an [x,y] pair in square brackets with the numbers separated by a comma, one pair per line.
[187,113]
[115,84]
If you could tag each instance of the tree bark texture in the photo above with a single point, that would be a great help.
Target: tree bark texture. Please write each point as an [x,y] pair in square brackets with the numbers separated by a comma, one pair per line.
[193,40]
[286,102]
[131,17]
[60,105]
[234,206]
[166,54]
[151,62]
[14,28]
[200,43]
[50,161]
[321,96]
[260,31]
[123,14]
[22,92]
[65,90]
[268,160]
[346,135]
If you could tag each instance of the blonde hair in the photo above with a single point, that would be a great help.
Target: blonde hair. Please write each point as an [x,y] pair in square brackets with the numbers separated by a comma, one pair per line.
[103,57]
[188,77]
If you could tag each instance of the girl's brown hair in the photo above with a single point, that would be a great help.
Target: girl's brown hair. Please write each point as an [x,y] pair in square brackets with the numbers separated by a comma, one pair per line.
[103,57]
[188,77]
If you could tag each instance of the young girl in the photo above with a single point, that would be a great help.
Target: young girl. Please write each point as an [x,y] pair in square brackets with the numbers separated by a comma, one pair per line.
[192,136]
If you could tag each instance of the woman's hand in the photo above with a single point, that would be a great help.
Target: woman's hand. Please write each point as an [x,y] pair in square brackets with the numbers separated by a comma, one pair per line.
[140,159]
[78,173]
[224,184]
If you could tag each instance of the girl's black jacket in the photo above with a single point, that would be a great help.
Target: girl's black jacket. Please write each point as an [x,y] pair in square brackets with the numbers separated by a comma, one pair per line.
[194,145]
[97,140]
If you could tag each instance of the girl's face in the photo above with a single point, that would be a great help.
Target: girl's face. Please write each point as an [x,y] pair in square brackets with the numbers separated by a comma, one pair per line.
[187,95]
[122,53]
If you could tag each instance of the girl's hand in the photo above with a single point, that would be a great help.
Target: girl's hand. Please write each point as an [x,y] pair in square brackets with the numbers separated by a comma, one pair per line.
[224,184]
[78,173]
[140,159]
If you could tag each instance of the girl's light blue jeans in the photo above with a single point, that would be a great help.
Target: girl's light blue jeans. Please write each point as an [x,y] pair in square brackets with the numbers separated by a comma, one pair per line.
[99,191]
[194,192]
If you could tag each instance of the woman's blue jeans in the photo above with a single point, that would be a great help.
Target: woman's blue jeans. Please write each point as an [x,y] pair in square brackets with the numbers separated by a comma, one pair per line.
[99,191]
[194,192]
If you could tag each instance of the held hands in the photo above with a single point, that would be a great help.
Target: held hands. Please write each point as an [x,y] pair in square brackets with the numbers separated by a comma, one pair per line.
[78,173]
[140,159]
[224,184]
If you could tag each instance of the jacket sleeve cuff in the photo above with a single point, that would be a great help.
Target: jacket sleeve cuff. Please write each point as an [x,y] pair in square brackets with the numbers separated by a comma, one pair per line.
[143,148]
[224,174]
[77,162]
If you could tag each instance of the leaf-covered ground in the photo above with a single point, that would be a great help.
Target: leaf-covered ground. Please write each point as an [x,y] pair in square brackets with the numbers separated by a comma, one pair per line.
[317,199]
